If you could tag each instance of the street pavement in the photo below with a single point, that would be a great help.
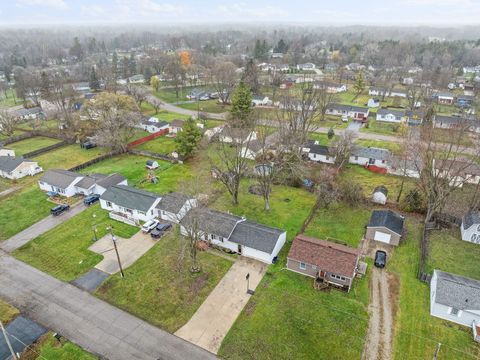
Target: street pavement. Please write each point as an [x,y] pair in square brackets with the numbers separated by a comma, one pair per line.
[91,323]
[214,318]
[39,228]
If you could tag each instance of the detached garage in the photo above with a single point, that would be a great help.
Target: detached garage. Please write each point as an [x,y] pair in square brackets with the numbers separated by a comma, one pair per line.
[385,226]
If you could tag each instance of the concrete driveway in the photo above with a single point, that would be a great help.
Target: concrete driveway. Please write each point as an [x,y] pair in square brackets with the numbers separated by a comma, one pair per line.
[130,250]
[40,227]
[214,318]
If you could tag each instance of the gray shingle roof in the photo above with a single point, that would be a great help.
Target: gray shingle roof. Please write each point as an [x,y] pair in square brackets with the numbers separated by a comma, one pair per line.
[371,153]
[130,197]
[10,163]
[211,221]
[256,236]
[172,202]
[388,219]
[457,291]
[319,149]
[88,181]
[342,107]
[471,218]
[112,179]
[390,111]
[59,177]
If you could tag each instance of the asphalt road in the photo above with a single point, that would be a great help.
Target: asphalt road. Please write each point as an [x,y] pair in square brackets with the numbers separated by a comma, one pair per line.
[39,228]
[96,326]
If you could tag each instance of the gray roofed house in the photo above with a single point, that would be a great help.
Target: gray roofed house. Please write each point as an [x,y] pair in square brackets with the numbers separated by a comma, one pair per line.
[471,218]
[256,236]
[372,153]
[60,178]
[211,221]
[10,163]
[16,167]
[319,149]
[173,202]
[384,111]
[388,219]
[470,228]
[130,198]
[90,180]
[110,180]
[455,298]
[31,113]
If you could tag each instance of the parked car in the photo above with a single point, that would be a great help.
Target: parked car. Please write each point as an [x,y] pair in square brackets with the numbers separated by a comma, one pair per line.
[163,226]
[204,97]
[149,226]
[380,259]
[91,199]
[59,209]
[88,145]
[344,118]
[156,234]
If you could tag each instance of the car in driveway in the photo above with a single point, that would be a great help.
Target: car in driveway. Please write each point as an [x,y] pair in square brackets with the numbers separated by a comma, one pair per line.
[149,226]
[160,230]
[91,199]
[59,209]
[380,259]
[344,118]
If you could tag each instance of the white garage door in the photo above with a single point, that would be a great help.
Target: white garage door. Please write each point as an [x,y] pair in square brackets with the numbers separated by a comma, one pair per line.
[382,237]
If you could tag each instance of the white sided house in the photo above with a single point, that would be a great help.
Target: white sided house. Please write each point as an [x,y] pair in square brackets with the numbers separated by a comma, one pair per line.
[60,181]
[6,152]
[470,228]
[176,126]
[153,125]
[98,183]
[235,234]
[370,156]
[130,205]
[318,153]
[174,206]
[455,298]
[236,135]
[392,116]
[16,167]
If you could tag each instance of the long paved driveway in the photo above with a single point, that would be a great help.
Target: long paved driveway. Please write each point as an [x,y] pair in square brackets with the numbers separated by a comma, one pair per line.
[39,228]
[214,318]
[91,323]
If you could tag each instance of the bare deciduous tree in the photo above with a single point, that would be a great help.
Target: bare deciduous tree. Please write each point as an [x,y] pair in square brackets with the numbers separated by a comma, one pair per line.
[8,122]
[342,148]
[224,79]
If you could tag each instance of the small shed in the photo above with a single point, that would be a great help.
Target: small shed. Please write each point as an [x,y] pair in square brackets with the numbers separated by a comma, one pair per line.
[470,228]
[151,164]
[380,195]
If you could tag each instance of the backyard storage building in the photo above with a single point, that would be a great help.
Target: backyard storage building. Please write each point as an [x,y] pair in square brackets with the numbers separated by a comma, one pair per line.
[385,226]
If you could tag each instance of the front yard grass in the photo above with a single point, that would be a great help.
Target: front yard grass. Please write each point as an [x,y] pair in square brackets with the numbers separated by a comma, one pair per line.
[340,222]
[159,286]
[209,106]
[378,127]
[38,142]
[170,176]
[417,334]
[68,156]
[7,312]
[47,347]
[21,209]
[63,251]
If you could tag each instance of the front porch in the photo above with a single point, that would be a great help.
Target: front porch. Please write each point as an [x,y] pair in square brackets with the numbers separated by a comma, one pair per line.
[123,218]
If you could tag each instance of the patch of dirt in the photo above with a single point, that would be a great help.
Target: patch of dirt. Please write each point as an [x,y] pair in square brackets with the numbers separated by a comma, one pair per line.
[198,284]
[250,307]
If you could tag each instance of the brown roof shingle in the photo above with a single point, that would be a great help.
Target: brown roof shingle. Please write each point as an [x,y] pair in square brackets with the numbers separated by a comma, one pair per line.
[328,256]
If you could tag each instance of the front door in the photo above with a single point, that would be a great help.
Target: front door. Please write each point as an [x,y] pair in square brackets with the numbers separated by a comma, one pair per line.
[240,249]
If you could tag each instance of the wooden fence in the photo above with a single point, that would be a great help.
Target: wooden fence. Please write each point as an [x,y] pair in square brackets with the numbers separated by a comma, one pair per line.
[45,149]
[94,161]
[147,138]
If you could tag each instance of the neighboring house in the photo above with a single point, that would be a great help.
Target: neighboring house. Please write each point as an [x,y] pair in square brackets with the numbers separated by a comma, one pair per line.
[6,152]
[318,153]
[30,114]
[235,234]
[174,206]
[98,183]
[176,126]
[261,101]
[455,298]
[282,67]
[306,67]
[444,98]
[257,146]
[367,156]
[60,181]
[354,112]
[136,79]
[470,228]
[380,195]
[414,117]
[373,103]
[385,226]
[332,88]
[129,205]
[389,115]
[375,91]
[16,167]
[448,122]
[465,100]
[81,87]
[324,261]
[404,166]
[236,135]
[153,125]
[457,172]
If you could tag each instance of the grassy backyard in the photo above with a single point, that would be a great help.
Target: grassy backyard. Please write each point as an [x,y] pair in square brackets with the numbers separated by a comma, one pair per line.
[392,146]
[417,334]
[22,209]
[8,98]
[161,145]
[378,127]
[63,251]
[38,142]
[68,156]
[159,286]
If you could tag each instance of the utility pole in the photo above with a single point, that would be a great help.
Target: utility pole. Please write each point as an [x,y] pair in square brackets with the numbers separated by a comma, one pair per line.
[114,240]
[7,340]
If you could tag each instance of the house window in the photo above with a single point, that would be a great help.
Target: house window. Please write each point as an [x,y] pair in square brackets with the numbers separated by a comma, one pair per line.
[303,266]
[326,158]
[454,311]
[356,157]
[109,204]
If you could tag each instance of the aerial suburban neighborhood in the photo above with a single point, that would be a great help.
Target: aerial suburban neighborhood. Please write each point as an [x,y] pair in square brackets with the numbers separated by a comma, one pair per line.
[198,180]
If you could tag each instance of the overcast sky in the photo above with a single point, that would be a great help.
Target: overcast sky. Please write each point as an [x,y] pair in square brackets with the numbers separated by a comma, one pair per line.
[326,12]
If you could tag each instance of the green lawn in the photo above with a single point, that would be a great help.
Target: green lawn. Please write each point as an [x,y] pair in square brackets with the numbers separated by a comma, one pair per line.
[446,250]
[159,287]
[390,145]
[15,133]
[288,319]
[161,145]
[68,156]
[21,209]
[32,144]
[170,176]
[379,127]
[210,106]
[340,222]
[47,347]
[168,94]
[8,98]
[417,333]
[7,312]
[323,138]
[289,207]
[63,251]
[148,109]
